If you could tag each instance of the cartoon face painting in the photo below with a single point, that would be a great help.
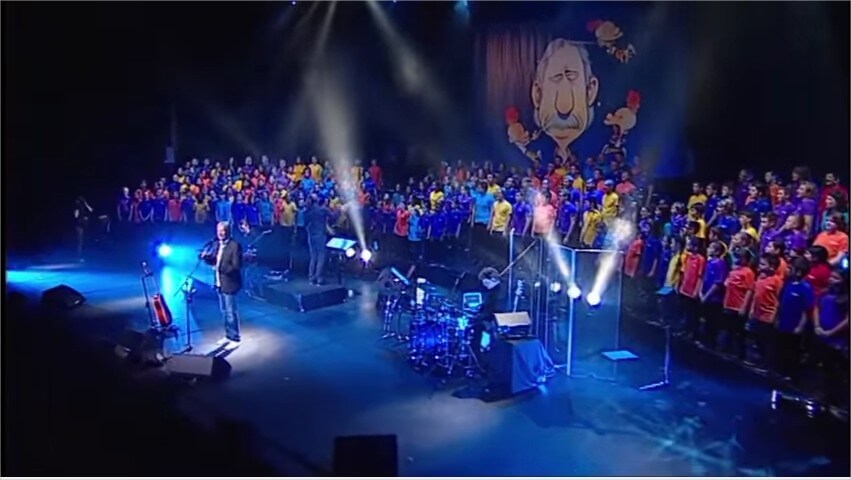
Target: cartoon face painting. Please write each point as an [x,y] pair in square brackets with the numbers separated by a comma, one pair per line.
[563,93]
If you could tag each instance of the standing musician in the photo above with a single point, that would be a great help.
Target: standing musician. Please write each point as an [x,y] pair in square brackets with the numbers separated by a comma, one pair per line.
[316,223]
[491,290]
[82,211]
[226,257]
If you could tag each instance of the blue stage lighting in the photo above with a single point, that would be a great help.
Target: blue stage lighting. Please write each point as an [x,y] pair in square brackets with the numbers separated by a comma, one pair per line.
[350,252]
[164,250]
[593,299]
[574,292]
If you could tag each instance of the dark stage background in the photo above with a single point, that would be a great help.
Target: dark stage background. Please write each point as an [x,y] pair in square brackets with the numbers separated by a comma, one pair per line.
[89,88]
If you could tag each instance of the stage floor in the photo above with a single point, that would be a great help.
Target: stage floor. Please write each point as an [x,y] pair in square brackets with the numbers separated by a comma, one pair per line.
[301,379]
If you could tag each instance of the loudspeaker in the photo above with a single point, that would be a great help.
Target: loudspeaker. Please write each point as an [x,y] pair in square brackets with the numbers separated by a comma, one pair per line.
[517,365]
[199,366]
[366,456]
[302,297]
[140,347]
[62,297]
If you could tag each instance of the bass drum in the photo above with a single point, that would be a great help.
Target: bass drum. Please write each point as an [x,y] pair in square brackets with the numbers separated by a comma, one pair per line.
[425,340]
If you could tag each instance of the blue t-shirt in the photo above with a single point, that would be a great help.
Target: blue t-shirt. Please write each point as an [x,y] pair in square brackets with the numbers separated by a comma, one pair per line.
[796,299]
[223,210]
[238,212]
[160,206]
[729,225]
[652,252]
[252,214]
[438,224]
[482,204]
[566,213]
[714,274]
[832,313]
[188,207]
[454,220]
[267,211]
[307,184]
[414,228]
[145,209]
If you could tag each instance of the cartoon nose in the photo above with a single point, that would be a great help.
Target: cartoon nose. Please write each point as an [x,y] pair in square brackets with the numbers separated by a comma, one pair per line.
[564,103]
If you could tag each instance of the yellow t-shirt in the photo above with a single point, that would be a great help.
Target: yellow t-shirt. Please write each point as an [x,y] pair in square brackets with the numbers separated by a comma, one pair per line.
[591,222]
[357,173]
[610,206]
[501,214]
[298,171]
[752,232]
[316,171]
[287,214]
[696,198]
[436,198]
[237,185]
[701,228]
[492,189]
[579,184]
[675,270]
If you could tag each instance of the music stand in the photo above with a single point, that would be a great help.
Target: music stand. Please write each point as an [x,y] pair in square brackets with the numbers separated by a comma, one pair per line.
[339,245]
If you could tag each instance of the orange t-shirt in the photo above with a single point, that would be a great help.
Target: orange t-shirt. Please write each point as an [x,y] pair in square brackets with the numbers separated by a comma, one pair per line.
[633,257]
[738,283]
[835,243]
[692,273]
[766,298]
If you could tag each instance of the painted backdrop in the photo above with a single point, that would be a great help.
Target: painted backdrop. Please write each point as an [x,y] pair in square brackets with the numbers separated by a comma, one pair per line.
[604,81]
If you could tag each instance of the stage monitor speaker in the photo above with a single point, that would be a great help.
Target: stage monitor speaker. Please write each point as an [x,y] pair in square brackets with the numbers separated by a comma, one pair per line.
[517,365]
[366,456]
[62,297]
[140,347]
[302,297]
[199,366]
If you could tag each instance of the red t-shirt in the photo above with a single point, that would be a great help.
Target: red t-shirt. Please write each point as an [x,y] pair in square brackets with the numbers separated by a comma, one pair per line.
[401,227]
[375,173]
[739,282]
[633,257]
[766,298]
[692,273]
[818,278]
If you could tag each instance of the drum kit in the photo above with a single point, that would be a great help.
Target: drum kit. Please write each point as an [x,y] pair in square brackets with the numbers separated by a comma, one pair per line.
[436,333]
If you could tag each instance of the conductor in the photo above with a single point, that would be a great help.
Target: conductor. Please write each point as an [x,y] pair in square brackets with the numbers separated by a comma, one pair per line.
[226,257]
[316,218]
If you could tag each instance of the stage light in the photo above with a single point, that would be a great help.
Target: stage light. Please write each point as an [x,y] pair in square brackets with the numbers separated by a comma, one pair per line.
[555,287]
[164,250]
[574,292]
[350,252]
[366,256]
[593,299]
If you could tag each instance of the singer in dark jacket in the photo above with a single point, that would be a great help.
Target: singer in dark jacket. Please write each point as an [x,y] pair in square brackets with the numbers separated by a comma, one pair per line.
[226,257]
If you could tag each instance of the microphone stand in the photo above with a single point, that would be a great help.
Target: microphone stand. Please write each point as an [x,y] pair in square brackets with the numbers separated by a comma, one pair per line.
[188,291]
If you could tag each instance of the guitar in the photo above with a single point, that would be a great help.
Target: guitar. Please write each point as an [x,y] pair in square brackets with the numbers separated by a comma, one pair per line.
[161,310]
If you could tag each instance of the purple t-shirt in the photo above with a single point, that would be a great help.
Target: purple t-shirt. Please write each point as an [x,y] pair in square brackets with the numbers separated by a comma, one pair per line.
[715,273]
[438,224]
[520,215]
[807,206]
[795,240]
[565,213]
[831,314]
[767,237]
[783,211]
[796,298]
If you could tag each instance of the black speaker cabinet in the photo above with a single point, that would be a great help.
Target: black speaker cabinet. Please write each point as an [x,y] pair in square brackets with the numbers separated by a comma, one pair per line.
[366,456]
[199,367]
[62,297]
[517,365]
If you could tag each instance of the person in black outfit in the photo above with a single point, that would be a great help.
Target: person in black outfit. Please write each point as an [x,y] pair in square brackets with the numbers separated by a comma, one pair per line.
[82,212]
[316,218]
[226,257]
[491,290]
